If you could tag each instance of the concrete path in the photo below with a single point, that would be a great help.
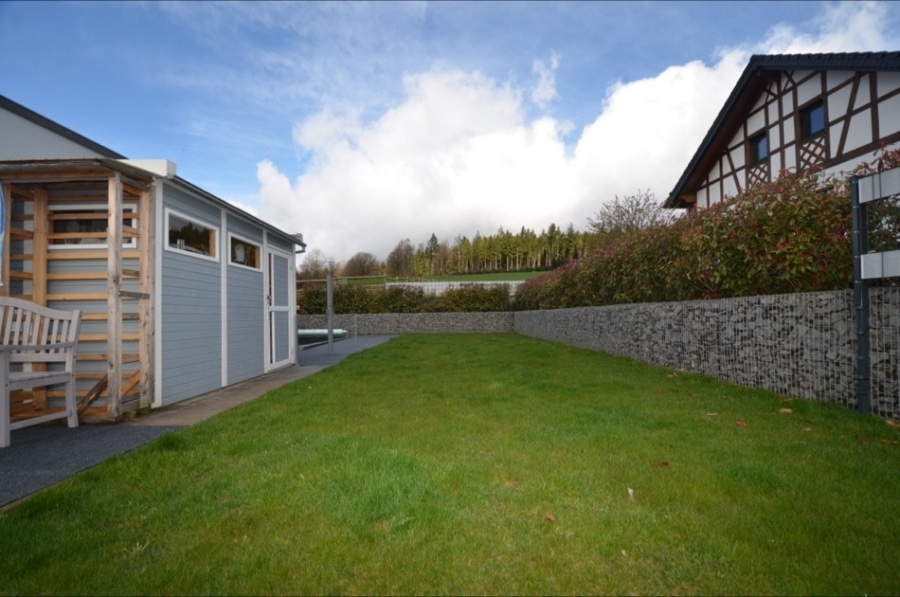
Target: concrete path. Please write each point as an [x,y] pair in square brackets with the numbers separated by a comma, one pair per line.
[309,361]
[46,454]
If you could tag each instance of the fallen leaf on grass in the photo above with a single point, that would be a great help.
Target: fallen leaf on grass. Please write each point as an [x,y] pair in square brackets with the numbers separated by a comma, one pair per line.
[864,441]
[712,414]
[742,424]
[785,411]
[663,464]
[630,494]
[890,423]
[807,429]
[550,518]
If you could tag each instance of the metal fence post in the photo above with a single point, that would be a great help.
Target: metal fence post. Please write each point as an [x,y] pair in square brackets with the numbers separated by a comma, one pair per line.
[329,310]
[860,299]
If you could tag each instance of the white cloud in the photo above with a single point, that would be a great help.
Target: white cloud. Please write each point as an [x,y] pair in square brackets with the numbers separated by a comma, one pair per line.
[545,90]
[648,131]
[456,157]
[459,156]
[842,27]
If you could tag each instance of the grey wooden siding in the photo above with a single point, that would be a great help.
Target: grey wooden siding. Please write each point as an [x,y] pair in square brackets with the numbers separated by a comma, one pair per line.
[246,311]
[190,310]
[281,245]
[246,324]
[244,228]
[282,336]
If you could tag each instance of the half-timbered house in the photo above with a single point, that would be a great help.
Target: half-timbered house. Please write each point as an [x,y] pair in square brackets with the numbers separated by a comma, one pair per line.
[795,112]
[181,292]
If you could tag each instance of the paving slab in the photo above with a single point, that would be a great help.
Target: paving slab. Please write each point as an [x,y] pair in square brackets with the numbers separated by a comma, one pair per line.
[43,455]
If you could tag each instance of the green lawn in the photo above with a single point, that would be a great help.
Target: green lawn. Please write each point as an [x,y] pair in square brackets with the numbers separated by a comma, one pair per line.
[481,464]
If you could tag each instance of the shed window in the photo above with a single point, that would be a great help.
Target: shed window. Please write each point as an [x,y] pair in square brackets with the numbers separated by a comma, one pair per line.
[243,252]
[758,148]
[812,120]
[85,225]
[190,236]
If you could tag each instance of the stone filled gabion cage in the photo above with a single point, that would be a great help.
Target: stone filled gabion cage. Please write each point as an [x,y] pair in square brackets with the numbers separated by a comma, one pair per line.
[799,345]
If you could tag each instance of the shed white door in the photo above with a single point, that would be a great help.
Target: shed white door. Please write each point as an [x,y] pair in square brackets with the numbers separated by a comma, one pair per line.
[278,310]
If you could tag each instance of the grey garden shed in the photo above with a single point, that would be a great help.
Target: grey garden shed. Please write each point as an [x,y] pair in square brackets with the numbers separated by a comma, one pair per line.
[182,293]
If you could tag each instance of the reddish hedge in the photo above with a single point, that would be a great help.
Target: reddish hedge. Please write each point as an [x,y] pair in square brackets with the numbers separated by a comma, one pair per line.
[791,235]
[405,299]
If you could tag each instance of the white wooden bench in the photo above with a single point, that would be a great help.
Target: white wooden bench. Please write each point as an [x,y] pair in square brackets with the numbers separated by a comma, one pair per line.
[37,349]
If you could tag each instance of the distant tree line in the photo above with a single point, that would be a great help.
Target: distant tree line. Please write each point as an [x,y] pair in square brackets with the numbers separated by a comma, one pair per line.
[503,251]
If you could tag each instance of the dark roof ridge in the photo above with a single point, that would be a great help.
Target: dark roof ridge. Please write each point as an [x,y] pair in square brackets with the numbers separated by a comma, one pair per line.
[883,60]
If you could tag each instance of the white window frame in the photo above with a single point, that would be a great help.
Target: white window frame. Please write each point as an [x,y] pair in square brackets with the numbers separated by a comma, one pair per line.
[214,244]
[246,241]
[128,208]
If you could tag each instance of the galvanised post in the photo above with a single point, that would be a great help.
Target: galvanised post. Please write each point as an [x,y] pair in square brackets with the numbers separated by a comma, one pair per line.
[860,299]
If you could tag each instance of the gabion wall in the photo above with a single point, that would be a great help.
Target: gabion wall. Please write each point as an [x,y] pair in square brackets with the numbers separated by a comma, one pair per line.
[884,351]
[413,323]
[800,345]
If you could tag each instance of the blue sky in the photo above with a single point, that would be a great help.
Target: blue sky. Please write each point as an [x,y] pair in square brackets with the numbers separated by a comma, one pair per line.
[364,123]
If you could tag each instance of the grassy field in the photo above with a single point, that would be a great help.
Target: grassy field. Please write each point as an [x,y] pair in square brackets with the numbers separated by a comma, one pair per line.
[491,464]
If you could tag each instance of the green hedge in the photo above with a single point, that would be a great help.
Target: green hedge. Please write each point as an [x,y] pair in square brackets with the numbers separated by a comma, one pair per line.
[791,235]
[405,299]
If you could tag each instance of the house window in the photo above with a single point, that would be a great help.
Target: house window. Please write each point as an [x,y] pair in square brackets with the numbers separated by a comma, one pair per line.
[190,236]
[243,252]
[812,120]
[84,226]
[758,148]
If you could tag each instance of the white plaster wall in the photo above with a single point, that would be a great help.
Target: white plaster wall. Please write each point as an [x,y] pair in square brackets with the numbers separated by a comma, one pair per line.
[889,116]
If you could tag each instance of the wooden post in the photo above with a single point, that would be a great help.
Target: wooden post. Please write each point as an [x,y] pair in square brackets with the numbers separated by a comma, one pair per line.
[113,300]
[4,279]
[39,247]
[39,243]
[146,308]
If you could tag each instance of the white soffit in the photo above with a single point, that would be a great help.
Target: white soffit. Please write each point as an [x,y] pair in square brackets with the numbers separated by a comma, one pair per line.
[161,168]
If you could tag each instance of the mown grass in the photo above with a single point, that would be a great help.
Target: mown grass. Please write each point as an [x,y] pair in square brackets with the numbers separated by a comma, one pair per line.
[489,464]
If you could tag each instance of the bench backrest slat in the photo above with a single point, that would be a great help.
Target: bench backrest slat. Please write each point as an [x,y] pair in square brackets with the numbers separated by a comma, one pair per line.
[29,324]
